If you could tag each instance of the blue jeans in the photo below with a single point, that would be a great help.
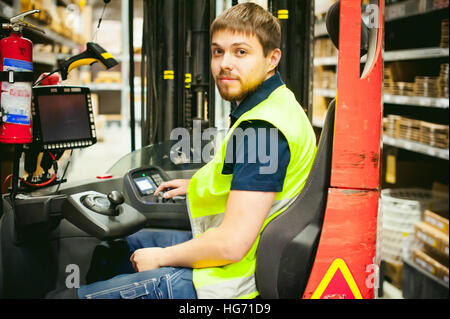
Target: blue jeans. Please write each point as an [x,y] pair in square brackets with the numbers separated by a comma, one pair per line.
[161,283]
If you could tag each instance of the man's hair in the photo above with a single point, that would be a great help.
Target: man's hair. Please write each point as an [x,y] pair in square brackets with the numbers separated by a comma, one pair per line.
[250,19]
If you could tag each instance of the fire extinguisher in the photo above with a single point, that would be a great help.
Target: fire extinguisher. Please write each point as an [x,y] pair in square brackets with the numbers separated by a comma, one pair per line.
[16,76]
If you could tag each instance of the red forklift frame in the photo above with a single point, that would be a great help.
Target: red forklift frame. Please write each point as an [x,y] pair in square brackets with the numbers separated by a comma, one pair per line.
[346,263]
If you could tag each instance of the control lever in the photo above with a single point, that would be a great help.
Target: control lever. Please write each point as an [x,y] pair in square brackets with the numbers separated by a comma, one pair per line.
[101,205]
[103,216]
[161,199]
[115,198]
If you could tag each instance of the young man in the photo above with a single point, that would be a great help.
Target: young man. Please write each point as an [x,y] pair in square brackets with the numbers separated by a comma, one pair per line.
[229,201]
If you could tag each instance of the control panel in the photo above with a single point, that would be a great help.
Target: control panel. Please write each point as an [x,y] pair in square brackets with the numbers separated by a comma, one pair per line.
[140,185]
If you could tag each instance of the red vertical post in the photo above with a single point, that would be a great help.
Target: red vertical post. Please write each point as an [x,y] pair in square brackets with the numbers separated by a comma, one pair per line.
[346,256]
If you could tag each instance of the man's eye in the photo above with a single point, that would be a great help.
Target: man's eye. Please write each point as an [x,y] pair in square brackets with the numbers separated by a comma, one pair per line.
[217,51]
[241,52]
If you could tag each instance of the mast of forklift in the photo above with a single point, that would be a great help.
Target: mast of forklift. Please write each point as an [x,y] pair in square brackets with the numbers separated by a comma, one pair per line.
[175,67]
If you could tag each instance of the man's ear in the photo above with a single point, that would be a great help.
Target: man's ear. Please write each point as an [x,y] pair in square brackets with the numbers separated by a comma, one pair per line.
[275,57]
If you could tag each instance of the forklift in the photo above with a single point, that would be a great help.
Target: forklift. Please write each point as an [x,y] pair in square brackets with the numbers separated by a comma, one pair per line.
[324,246]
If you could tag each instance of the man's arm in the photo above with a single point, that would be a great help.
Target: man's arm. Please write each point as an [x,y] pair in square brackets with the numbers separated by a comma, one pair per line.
[229,242]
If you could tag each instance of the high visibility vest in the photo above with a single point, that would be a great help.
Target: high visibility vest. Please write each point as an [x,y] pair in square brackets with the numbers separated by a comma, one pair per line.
[209,188]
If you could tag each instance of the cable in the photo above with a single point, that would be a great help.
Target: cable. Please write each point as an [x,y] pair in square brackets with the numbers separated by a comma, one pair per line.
[94,37]
[39,185]
[55,167]
[4,189]
[64,173]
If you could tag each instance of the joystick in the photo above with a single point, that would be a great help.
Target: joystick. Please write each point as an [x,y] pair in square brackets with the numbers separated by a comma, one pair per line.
[108,205]
[115,198]
[102,215]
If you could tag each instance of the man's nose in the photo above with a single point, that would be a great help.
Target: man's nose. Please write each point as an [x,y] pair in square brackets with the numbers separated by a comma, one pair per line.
[227,62]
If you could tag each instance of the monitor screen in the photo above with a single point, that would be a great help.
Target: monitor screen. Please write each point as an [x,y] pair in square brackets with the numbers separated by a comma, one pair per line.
[144,184]
[64,117]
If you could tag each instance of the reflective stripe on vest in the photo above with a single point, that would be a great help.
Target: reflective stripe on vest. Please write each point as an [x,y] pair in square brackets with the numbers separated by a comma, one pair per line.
[209,189]
[234,289]
[198,224]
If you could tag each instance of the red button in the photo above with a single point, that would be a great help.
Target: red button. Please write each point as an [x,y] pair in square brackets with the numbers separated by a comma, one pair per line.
[106,176]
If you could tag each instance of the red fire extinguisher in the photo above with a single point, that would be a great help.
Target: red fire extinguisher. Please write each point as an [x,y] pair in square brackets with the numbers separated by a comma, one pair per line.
[16,76]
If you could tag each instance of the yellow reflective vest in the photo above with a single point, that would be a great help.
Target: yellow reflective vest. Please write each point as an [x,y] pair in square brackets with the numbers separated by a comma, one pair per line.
[209,188]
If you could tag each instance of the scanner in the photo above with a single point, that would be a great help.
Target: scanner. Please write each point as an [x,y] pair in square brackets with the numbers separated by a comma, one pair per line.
[93,53]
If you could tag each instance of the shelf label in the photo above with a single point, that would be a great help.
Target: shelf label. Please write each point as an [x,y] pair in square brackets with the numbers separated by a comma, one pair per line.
[391,162]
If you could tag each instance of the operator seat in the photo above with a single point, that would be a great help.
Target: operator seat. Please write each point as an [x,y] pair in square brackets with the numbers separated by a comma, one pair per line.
[288,244]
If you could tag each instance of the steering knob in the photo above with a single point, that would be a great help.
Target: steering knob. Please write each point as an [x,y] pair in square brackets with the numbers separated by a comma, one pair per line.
[116,198]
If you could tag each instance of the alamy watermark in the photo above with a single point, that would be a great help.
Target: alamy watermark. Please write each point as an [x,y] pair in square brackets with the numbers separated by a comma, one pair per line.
[73,277]
[373,276]
[371,16]
[249,145]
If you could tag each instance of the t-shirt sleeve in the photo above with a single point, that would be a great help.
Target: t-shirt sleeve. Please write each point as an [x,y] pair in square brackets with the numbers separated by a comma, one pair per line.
[259,159]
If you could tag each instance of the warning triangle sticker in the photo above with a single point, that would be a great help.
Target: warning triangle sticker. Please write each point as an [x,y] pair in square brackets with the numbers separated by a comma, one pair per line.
[338,283]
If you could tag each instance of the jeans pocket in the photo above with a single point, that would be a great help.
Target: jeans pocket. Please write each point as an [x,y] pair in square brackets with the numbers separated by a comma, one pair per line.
[139,291]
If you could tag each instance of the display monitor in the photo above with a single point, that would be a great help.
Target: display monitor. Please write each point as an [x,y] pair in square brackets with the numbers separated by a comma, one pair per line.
[144,185]
[63,117]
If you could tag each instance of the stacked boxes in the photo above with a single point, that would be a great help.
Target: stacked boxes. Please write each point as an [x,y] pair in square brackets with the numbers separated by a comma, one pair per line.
[409,129]
[67,22]
[432,134]
[401,209]
[433,232]
[324,79]
[443,80]
[444,33]
[324,48]
[427,86]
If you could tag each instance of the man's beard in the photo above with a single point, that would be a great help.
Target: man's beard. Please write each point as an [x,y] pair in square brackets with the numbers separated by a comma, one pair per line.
[241,95]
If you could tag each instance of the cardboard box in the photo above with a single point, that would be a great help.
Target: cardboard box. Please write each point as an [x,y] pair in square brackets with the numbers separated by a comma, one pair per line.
[425,262]
[436,221]
[432,237]
[444,274]
[108,77]
[394,271]
[430,265]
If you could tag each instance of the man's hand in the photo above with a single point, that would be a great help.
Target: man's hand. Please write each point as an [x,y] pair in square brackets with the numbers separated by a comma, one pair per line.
[146,259]
[177,186]
[244,216]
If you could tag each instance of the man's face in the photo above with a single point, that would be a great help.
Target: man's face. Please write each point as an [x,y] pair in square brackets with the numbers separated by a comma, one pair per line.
[238,64]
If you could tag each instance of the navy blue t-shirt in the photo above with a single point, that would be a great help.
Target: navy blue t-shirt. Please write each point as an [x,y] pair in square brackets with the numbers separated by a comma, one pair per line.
[257,154]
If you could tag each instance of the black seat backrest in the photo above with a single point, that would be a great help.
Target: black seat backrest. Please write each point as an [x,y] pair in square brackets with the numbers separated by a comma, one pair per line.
[288,244]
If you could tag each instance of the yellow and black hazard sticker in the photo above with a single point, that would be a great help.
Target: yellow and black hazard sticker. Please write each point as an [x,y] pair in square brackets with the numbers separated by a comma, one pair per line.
[169,75]
[188,80]
[283,14]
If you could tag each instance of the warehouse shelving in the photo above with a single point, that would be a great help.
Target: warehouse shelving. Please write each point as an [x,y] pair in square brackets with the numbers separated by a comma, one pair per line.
[393,12]
[399,55]
[405,144]
[424,101]
[7,11]
[416,147]
[411,8]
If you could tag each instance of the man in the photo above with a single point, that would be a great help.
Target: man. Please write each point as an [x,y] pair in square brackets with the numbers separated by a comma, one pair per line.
[229,201]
